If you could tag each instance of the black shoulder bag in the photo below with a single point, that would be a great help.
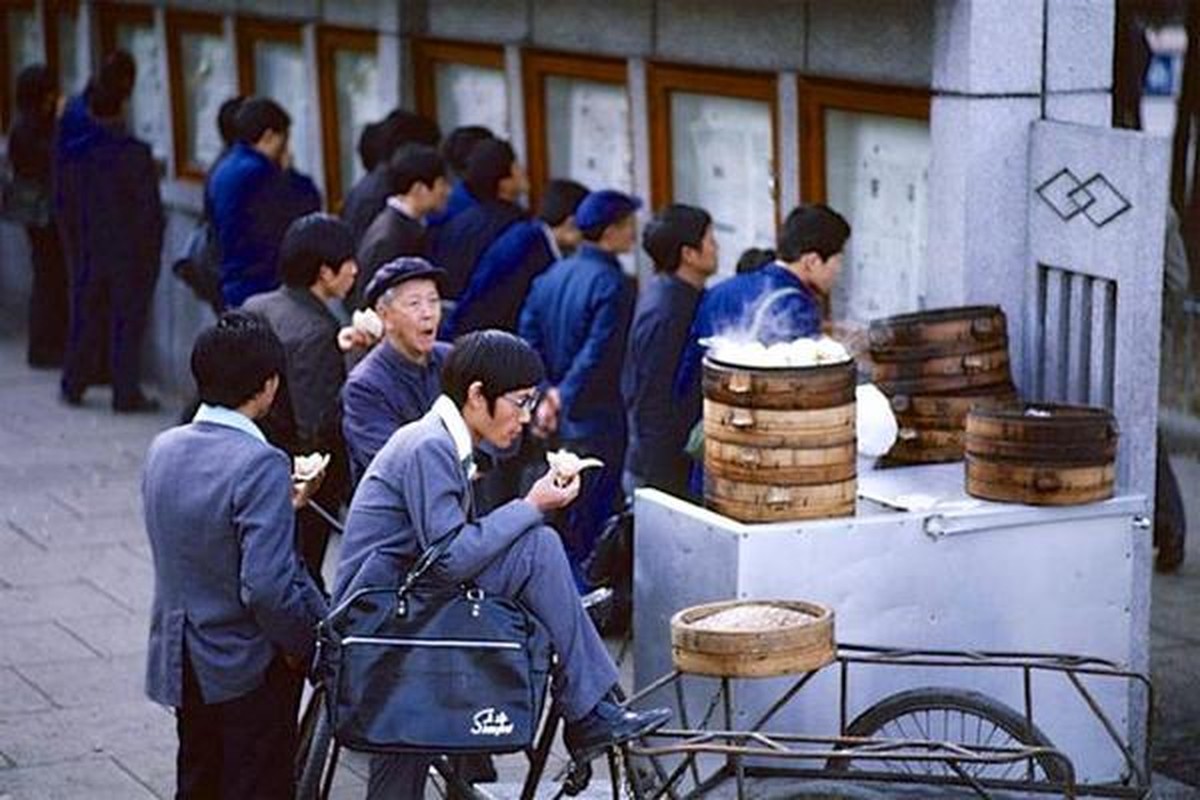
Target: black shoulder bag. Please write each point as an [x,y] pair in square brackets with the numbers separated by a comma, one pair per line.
[425,670]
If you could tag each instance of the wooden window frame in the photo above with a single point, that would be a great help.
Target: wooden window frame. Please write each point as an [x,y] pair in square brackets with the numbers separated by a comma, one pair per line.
[536,67]
[817,96]
[427,54]
[664,79]
[110,15]
[329,41]
[180,23]
[6,100]
[250,30]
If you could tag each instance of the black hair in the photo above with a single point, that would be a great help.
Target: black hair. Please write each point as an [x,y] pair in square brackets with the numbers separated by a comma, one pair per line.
[34,84]
[406,127]
[753,258]
[113,84]
[413,164]
[372,145]
[501,361]
[227,119]
[671,229]
[457,147]
[232,359]
[813,229]
[257,115]
[560,198]
[310,242]
[490,162]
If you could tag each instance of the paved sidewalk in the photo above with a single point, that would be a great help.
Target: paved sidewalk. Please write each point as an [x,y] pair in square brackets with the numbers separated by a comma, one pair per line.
[75,589]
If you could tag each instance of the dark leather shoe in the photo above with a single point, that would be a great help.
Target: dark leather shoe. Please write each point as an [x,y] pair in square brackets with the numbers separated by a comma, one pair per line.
[139,404]
[608,724]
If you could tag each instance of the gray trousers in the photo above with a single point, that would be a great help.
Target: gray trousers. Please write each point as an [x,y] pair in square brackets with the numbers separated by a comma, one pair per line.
[535,571]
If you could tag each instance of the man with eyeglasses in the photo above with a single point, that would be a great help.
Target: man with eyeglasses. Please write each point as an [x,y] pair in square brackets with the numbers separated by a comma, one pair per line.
[399,379]
[417,492]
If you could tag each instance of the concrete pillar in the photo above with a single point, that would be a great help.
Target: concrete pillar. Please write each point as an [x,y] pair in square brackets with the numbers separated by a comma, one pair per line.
[516,103]
[987,85]
[787,147]
[1079,57]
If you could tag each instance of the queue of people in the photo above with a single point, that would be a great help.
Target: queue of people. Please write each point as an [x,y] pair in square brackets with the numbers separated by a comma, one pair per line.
[500,335]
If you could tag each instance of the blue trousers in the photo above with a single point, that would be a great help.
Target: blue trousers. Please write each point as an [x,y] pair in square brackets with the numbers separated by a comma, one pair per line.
[534,570]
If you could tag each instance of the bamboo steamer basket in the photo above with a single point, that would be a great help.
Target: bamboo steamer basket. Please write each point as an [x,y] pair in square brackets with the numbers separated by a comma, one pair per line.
[780,443]
[932,427]
[1041,454]
[753,638]
[943,331]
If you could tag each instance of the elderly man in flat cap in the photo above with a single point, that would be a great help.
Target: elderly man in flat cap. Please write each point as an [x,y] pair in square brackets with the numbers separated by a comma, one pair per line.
[399,379]
[577,317]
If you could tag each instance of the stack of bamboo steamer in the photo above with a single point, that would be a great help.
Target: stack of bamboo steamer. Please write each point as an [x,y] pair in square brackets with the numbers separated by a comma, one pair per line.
[780,442]
[935,366]
[1041,454]
[753,638]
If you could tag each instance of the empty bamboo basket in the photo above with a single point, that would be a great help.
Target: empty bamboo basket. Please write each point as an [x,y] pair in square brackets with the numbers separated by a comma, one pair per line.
[753,638]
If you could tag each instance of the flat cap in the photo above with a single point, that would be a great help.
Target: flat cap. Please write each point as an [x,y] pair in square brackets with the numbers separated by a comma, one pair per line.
[405,268]
[603,208]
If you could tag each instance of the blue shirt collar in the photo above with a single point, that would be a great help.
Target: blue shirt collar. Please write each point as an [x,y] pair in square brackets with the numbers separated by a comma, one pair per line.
[220,415]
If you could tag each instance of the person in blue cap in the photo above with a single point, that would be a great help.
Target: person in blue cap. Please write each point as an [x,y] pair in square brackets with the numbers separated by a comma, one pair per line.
[501,281]
[576,317]
[497,181]
[680,240]
[399,379]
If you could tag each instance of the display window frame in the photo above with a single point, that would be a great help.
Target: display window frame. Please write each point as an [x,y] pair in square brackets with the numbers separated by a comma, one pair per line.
[7,100]
[427,54]
[179,23]
[330,40]
[251,30]
[536,67]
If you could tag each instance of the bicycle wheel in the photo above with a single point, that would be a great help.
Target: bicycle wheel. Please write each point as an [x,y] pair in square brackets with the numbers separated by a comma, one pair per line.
[314,759]
[951,715]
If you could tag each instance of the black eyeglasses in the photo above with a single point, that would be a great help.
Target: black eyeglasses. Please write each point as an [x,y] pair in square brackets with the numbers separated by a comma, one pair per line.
[526,402]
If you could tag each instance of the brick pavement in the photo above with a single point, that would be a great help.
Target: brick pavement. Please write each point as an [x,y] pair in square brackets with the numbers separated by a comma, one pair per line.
[75,588]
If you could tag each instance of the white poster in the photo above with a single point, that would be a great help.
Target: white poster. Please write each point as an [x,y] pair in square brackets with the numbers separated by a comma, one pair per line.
[356,82]
[471,95]
[207,83]
[877,176]
[588,133]
[279,74]
[148,119]
[723,161]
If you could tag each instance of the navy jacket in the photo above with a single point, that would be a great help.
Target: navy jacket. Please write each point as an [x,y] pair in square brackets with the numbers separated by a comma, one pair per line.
[228,584]
[501,280]
[106,202]
[577,317]
[385,391]
[460,200]
[459,243]
[366,199]
[658,416]
[253,202]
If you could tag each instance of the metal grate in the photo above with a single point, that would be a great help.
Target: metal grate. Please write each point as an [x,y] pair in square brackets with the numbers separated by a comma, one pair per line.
[1075,337]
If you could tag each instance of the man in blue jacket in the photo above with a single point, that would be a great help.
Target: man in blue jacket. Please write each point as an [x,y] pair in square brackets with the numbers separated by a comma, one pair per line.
[577,317]
[456,150]
[110,221]
[254,194]
[497,181]
[500,282]
[681,242]
[234,612]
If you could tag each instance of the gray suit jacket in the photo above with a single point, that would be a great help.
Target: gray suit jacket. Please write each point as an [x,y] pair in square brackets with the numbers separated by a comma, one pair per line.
[414,494]
[227,581]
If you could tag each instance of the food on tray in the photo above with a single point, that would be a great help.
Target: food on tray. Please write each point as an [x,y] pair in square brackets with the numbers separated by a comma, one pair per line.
[566,465]
[751,617]
[368,322]
[305,468]
[797,353]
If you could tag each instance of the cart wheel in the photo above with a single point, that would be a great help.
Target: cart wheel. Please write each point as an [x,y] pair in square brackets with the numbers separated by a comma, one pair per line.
[957,716]
[314,756]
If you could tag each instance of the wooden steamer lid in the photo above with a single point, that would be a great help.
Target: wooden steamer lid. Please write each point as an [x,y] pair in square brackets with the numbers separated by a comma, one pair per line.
[753,638]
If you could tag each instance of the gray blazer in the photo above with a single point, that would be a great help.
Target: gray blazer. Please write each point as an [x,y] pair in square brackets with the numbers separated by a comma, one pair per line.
[227,580]
[415,493]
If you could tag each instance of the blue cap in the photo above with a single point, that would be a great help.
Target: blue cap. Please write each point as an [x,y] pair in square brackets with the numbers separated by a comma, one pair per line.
[603,208]
[406,268]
